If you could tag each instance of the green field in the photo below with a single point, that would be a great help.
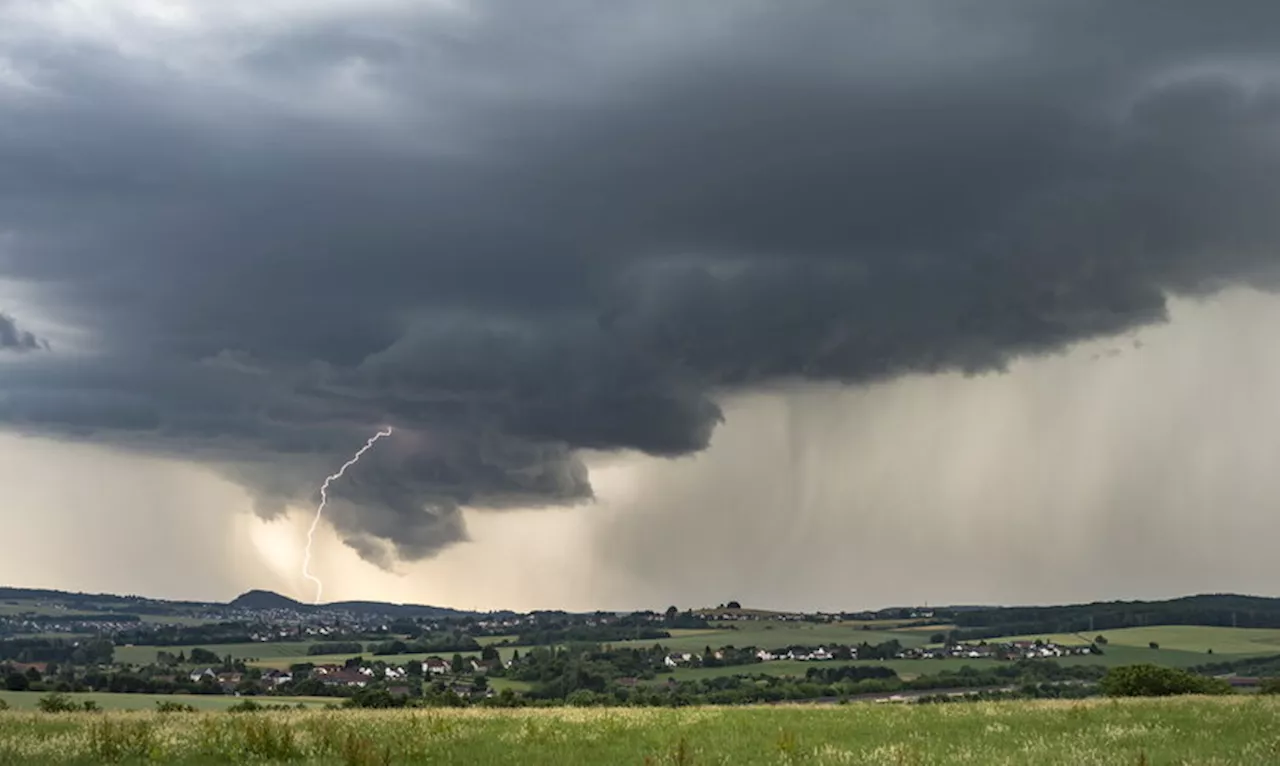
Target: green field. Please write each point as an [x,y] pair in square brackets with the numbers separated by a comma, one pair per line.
[1198,639]
[772,635]
[1233,731]
[144,655]
[108,701]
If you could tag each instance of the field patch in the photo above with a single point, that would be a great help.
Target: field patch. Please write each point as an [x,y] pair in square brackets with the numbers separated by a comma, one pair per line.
[1198,639]
[109,701]
[144,655]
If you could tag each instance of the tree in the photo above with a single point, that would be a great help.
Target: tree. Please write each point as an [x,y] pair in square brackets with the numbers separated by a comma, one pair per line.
[33,674]
[733,605]
[1157,681]
[16,682]
[1154,645]
[489,653]
[1269,686]
[458,666]
[203,657]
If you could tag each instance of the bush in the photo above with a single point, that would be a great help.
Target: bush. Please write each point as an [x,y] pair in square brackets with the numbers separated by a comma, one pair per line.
[4,705]
[1269,686]
[1156,681]
[167,706]
[57,703]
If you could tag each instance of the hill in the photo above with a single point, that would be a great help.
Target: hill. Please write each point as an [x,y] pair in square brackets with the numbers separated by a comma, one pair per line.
[265,599]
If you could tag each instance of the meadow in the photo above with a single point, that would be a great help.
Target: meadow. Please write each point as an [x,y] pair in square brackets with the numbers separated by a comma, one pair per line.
[1223,731]
[1198,639]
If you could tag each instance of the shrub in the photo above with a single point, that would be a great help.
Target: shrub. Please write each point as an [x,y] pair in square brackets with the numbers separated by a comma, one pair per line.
[1269,686]
[57,703]
[1156,681]
[168,706]
[4,705]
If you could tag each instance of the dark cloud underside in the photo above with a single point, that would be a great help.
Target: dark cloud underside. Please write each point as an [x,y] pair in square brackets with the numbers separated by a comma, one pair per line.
[526,229]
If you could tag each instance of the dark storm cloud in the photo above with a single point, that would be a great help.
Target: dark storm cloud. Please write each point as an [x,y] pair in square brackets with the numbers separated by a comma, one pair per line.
[525,229]
[14,338]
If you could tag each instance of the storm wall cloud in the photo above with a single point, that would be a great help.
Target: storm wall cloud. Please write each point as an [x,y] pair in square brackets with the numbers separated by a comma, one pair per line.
[519,231]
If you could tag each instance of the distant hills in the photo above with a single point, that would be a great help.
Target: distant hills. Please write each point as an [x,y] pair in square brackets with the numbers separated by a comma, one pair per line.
[265,599]
[253,599]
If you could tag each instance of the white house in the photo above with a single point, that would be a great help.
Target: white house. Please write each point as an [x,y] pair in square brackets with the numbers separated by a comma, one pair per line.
[434,666]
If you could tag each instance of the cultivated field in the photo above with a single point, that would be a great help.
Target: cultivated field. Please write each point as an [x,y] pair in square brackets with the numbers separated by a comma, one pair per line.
[1243,731]
[1185,638]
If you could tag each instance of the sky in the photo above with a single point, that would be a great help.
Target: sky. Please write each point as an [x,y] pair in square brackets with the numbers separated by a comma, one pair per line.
[806,305]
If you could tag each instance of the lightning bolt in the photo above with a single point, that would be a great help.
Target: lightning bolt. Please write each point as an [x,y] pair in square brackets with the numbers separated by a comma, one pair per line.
[324,500]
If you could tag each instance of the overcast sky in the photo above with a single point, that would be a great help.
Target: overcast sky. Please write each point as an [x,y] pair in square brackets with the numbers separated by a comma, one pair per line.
[803,304]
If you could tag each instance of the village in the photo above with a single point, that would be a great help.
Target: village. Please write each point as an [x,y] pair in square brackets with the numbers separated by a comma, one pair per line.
[1007,651]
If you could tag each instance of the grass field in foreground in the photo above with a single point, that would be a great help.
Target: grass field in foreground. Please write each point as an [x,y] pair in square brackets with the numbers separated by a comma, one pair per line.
[1187,638]
[109,701]
[1239,731]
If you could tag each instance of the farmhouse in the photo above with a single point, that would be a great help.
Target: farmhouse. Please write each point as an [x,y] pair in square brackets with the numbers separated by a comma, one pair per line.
[434,666]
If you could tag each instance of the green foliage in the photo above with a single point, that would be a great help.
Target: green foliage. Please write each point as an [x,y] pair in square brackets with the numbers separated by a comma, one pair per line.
[1156,681]
[16,682]
[169,706]
[200,656]
[3,705]
[57,702]
[1269,686]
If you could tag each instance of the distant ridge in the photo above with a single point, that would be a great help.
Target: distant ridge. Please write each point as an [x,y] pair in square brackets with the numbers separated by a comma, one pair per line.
[265,599]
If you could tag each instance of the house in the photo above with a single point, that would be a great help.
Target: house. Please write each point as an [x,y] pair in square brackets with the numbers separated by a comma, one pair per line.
[345,677]
[676,660]
[199,675]
[434,666]
[276,677]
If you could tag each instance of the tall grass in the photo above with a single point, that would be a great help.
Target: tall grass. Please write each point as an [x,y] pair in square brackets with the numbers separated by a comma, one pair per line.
[1234,731]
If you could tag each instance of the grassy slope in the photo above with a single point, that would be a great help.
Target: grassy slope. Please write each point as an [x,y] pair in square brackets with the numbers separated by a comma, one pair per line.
[1226,732]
